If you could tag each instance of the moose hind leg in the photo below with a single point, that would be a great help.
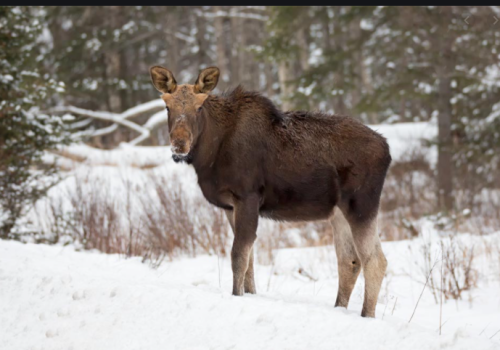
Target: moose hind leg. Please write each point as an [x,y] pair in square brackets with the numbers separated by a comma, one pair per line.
[374,263]
[349,265]
[249,276]
[240,258]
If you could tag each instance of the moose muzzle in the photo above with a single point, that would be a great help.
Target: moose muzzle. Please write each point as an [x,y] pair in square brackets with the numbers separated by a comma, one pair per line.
[181,141]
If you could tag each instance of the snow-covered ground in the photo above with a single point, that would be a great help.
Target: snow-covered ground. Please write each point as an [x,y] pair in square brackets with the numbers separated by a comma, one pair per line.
[52,297]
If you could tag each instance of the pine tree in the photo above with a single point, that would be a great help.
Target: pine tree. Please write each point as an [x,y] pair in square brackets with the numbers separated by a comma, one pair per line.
[435,61]
[24,132]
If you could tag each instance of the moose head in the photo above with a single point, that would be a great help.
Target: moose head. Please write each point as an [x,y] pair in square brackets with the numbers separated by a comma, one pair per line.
[184,104]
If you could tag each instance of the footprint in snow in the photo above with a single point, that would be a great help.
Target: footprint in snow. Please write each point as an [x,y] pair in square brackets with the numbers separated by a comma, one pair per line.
[78,295]
[51,333]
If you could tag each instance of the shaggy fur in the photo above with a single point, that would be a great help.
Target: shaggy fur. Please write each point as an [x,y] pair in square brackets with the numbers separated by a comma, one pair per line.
[254,160]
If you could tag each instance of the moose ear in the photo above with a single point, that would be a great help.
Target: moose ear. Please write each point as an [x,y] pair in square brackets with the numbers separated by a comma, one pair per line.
[163,79]
[207,80]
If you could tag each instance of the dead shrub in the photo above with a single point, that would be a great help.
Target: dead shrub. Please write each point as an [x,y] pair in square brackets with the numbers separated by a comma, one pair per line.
[155,219]
[459,274]
[95,219]
[173,224]
[448,268]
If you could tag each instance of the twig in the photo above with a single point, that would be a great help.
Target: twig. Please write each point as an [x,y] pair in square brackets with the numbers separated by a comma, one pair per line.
[484,328]
[386,302]
[443,324]
[218,266]
[495,334]
[394,308]
[270,274]
[441,299]
[414,310]
[307,274]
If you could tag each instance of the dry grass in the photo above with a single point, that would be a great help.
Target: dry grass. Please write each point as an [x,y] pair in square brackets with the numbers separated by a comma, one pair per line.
[155,222]
[171,224]
[459,275]
[448,268]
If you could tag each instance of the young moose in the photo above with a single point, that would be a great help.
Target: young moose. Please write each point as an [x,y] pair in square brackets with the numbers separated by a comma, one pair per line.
[254,160]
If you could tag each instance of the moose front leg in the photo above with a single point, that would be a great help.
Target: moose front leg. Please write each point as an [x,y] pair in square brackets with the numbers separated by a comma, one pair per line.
[249,284]
[246,217]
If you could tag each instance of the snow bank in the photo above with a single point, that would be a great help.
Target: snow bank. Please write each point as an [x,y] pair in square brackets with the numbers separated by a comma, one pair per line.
[125,156]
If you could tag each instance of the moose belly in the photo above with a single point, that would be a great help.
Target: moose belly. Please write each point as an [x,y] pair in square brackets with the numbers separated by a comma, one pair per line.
[310,198]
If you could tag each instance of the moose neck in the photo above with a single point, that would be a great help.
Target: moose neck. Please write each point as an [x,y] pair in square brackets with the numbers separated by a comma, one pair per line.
[217,120]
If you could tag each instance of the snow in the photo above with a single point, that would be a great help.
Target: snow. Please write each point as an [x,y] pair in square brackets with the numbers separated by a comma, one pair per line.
[126,156]
[406,138]
[494,114]
[144,108]
[81,124]
[53,297]
[121,118]
[156,119]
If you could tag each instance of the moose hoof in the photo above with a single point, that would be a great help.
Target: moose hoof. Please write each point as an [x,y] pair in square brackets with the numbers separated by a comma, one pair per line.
[367,315]
[238,293]
[250,289]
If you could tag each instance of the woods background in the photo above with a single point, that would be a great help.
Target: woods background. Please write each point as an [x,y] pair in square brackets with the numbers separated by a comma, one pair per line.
[379,64]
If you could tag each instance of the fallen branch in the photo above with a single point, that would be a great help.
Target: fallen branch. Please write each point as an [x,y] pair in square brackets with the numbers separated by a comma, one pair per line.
[152,124]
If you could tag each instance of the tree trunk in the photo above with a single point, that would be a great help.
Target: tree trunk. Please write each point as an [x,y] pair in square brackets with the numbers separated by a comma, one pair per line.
[327,45]
[285,74]
[173,43]
[301,37]
[222,59]
[445,165]
[237,51]
[203,43]
[268,71]
[113,62]
[339,106]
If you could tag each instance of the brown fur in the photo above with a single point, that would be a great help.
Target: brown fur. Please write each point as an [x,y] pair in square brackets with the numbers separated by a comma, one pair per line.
[254,160]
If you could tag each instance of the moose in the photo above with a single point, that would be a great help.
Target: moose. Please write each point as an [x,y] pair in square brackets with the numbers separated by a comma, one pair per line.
[254,160]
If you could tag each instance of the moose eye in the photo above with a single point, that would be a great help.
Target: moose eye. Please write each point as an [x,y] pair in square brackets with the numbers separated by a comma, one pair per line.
[199,109]
[168,109]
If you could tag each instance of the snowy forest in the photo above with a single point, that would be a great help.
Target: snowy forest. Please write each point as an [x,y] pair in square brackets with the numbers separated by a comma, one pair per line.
[102,233]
